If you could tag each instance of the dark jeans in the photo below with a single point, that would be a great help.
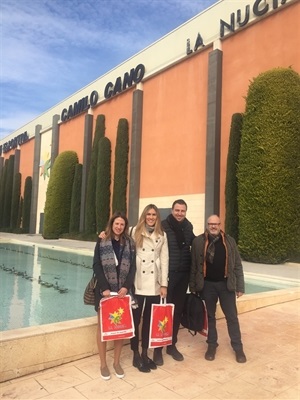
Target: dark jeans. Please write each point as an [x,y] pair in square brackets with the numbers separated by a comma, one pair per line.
[212,292]
[177,288]
[144,309]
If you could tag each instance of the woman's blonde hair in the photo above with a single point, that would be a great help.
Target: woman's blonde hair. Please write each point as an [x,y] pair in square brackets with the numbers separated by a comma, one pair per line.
[141,225]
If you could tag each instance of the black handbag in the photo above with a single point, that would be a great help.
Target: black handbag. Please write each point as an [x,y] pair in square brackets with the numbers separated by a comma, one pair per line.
[89,292]
[193,313]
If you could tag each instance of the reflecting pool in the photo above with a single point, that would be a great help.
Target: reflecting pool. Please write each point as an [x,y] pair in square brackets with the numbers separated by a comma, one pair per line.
[41,285]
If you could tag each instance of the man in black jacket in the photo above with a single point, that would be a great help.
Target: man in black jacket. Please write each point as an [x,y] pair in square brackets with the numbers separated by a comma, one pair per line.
[180,236]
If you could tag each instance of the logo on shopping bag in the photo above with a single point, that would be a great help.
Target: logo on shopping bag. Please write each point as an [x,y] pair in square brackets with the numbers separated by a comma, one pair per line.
[162,325]
[116,317]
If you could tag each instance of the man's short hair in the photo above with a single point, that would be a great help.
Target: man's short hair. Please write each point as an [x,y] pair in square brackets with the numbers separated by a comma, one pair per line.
[179,201]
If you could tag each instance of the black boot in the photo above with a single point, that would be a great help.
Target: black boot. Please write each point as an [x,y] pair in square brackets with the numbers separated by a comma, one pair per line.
[138,362]
[147,361]
[157,356]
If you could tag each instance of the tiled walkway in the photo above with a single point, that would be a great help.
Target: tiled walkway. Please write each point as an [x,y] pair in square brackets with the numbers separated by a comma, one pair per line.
[271,337]
[271,341]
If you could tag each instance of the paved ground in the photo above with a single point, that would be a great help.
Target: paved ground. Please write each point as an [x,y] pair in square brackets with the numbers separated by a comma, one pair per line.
[271,342]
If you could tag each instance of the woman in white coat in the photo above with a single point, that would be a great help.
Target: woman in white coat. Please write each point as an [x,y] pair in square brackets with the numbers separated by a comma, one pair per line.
[151,279]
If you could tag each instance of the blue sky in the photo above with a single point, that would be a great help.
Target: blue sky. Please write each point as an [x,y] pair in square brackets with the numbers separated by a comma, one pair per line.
[51,48]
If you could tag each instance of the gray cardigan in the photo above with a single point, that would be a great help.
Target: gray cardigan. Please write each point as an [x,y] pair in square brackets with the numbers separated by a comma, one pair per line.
[235,274]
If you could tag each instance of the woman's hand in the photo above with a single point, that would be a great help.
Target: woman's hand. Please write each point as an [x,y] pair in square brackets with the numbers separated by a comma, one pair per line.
[163,292]
[122,292]
[106,293]
[102,235]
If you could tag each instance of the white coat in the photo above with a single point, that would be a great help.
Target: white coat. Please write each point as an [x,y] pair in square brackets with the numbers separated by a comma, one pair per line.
[152,264]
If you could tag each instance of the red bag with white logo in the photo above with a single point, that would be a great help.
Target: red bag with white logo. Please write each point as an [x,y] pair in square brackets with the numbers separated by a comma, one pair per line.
[116,321]
[161,324]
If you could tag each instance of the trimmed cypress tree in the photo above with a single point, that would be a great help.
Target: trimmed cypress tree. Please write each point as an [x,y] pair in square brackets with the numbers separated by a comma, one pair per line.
[20,211]
[76,200]
[26,204]
[268,171]
[8,192]
[90,205]
[121,168]
[59,194]
[103,184]
[231,186]
[15,201]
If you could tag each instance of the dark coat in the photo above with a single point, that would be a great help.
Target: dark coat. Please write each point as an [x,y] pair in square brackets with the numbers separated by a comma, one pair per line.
[235,274]
[179,258]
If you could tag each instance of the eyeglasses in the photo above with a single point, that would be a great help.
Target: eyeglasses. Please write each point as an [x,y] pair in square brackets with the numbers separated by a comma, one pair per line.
[213,224]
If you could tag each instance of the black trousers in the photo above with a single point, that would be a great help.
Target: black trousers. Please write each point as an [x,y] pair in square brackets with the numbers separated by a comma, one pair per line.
[212,292]
[144,309]
[177,288]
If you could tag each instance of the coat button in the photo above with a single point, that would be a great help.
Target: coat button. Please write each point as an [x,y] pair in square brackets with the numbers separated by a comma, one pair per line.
[152,249]
[143,260]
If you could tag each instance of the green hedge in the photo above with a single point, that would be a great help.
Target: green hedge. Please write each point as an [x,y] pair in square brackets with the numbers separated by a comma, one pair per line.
[119,202]
[27,205]
[103,184]
[76,200]
[16,194]
[90,204]
[268,171]
[231,185]
[59,194]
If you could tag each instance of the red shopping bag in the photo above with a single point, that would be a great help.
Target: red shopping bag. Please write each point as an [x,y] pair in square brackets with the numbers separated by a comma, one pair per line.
[161,324]
[116,321]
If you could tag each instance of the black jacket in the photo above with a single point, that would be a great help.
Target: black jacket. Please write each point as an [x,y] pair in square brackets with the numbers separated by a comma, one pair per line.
[179,257]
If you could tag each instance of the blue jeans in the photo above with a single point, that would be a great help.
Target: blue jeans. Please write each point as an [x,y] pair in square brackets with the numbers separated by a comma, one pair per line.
[212,292]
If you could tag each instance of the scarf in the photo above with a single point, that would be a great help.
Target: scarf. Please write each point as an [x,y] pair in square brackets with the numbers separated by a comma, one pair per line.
[149,229]
[107,256]
[177,227]
[210,251]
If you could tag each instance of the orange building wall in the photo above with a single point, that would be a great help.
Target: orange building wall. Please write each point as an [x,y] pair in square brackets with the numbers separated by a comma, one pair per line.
[71,135]
[26,162]
[266,44]
[174,130]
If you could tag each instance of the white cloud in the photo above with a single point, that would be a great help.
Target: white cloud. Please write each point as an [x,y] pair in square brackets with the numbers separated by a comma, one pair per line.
[52,48]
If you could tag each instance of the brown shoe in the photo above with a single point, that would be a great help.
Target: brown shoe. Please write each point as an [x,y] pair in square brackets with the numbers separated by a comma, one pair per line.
[240,356]
[210,353]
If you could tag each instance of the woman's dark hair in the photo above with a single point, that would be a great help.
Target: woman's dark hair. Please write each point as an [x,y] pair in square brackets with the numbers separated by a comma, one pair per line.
[109,232]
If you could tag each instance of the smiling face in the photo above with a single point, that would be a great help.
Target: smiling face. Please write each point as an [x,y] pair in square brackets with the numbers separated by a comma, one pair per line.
[151,217]
[118,227]
[213,225]
[179,212]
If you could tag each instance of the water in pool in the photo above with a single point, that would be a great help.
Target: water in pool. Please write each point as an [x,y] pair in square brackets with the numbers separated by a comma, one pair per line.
[41,286]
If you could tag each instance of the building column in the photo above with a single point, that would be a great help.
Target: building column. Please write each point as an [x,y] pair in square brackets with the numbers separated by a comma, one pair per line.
[213,134]
[87,154]
[55,138]
[35,179]
[135,157]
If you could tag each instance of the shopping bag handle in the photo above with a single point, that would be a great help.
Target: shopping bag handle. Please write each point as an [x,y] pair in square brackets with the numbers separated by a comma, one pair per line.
[163,300]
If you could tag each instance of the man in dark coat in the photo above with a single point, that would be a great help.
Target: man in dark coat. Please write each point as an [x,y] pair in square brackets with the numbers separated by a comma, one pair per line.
[180,236]
[217,273]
